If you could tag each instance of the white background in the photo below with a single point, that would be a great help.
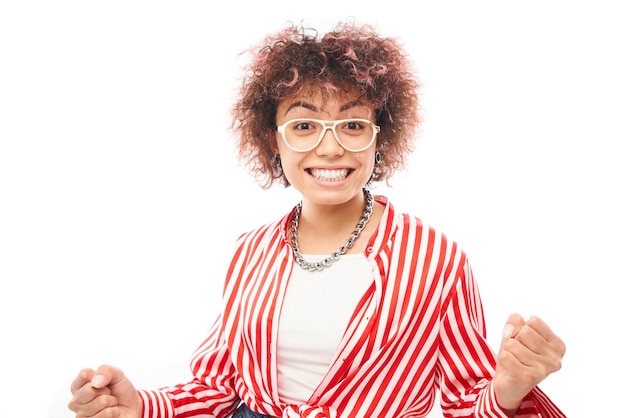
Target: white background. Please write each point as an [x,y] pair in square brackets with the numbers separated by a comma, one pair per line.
[120,196]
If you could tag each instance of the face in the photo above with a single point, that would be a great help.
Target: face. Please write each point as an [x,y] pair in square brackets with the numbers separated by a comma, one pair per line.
[327,174]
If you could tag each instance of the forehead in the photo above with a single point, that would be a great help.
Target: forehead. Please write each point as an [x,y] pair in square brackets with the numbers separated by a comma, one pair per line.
[324,100]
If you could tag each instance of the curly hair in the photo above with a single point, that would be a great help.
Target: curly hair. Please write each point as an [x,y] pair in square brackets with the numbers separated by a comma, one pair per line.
[350,57]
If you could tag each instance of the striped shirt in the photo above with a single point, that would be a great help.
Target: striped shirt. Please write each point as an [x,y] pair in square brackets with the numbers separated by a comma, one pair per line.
[417,329]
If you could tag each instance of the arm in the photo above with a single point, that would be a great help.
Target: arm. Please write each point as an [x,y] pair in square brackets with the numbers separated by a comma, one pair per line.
[468,366]
[210,393]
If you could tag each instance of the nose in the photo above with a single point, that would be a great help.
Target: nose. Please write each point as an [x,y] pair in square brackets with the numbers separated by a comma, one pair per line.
[329,145]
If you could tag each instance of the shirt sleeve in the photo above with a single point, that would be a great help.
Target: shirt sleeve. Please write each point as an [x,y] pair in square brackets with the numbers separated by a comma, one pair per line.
[467,363]
[209,394]
[535,404]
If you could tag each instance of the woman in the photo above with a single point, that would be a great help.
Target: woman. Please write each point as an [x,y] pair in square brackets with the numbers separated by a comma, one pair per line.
[342,307]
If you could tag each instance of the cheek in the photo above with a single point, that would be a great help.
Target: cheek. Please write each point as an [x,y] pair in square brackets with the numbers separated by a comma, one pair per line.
[290,161]
[367,161]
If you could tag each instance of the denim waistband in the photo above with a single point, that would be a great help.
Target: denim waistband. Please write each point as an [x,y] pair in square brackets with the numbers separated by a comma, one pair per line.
[244,412]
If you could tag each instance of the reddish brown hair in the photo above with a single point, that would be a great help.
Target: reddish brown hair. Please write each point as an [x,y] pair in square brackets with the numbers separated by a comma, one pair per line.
[349,57]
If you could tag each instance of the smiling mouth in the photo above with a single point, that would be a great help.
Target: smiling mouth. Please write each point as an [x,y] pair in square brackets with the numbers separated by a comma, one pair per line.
[329,175]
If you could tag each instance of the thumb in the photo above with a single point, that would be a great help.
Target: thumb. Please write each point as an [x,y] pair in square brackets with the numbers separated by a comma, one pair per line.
[513,324]
[107,375]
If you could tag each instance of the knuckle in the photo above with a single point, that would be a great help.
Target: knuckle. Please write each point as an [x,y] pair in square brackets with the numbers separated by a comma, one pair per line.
[555,364]
[510,344]
[71,405]
[506,357]
[105,401]
[110,413]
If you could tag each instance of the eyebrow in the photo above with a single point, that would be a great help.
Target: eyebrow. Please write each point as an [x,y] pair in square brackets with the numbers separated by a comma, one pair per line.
[313,108]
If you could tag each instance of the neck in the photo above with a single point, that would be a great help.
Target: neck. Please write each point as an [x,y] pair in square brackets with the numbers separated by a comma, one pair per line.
[332,217]
[323,229]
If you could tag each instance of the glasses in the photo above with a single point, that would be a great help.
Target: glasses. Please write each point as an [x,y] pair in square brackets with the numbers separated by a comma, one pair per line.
[353,135]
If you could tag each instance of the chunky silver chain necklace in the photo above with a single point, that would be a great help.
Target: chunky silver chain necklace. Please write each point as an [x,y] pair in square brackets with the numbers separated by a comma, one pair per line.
[321,265]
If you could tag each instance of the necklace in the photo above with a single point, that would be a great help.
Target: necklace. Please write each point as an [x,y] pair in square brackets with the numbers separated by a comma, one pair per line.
[321,265]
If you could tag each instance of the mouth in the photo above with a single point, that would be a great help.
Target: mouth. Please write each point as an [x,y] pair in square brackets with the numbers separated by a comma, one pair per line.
[325,174]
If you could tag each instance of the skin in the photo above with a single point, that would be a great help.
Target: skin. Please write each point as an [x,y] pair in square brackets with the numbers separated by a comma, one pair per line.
[529,350]
[330,208]
[104,393]
[529,353]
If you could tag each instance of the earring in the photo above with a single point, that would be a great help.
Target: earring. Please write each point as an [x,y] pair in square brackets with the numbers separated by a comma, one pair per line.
[376,172]
[277,164]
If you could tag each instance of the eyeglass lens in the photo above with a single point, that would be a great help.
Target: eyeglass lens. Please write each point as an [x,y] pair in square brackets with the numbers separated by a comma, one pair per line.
[352,134]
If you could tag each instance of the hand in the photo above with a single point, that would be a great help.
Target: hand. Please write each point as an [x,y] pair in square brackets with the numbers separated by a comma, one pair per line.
[104,393]
[529,352]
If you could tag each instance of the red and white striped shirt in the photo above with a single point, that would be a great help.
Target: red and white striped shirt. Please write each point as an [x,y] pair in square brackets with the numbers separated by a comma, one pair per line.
[418,328]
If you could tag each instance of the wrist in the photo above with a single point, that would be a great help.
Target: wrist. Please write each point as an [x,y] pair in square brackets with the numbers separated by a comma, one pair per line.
[509,404]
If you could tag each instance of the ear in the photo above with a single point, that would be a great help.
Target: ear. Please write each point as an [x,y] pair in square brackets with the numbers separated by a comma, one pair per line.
[272,136]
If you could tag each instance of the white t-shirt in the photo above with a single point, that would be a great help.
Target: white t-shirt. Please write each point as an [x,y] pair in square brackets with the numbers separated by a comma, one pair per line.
[314,316]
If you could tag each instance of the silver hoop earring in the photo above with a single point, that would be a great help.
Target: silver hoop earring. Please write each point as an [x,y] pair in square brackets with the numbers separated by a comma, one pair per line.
[277,164]
[376,172]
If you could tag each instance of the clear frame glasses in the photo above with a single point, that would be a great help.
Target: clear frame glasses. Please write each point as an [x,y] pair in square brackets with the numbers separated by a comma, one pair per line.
[354,135]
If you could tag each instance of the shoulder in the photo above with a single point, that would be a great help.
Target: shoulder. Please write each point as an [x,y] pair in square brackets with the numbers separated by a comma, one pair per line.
[273,230]
[403,226]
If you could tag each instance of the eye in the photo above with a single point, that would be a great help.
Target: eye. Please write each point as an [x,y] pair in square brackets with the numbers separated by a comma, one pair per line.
[353,127]
[303,125]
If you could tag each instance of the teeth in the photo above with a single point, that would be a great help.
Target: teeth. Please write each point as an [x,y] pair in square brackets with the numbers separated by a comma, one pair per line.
[330,175]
